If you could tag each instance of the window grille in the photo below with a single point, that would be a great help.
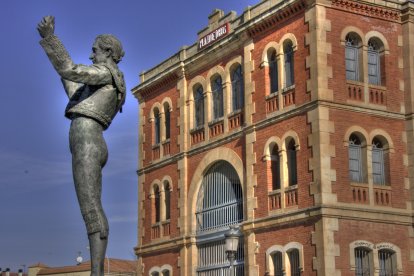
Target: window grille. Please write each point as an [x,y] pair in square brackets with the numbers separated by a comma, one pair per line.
[378,164]
[212,259]
[157,123]
[217,91]
[374,72]
[219,205]
[292,163]
[277,262]
[355,159]
[352,57]
[362,262]
[288,55]
[387,263]
[273,73]
[275,168]
[167,122]
[199,106]
[237,88]
[295,269]
[220,198]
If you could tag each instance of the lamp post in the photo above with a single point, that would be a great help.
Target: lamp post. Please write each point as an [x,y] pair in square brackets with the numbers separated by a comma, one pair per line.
[232,242]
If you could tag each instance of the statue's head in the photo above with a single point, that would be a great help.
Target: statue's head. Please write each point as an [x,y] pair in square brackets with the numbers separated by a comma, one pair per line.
[109,44]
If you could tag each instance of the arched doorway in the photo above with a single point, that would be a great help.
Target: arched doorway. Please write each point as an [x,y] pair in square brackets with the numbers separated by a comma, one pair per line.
[219,205]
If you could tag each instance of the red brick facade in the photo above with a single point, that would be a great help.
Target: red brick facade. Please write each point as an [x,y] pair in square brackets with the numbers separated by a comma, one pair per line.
[311,134]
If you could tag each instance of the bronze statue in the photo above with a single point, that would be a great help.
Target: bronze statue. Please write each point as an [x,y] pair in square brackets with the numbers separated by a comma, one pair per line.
[96,94]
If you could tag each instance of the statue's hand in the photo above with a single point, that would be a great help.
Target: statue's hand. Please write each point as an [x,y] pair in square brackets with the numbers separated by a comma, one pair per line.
[46,27]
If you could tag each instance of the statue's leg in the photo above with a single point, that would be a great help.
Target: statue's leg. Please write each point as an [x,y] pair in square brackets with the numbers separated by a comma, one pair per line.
[89,155]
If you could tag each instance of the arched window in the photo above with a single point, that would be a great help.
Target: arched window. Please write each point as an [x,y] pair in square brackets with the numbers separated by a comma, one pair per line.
[237,88]
[352,56]
[387,262]
[356,166]
[199,106]
[375,51]
[219,205]
[157,126]
[167,120]
[273,71]
[155,273]
[294,262]
[157,204]
[167,199]
[363,262]
[289,60]
[292,162]
[217,91]
[379,162]
[277,264]
[166,273]
[275,167]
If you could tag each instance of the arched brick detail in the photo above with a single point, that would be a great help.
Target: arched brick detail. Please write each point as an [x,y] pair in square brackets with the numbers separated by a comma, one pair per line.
[218,154]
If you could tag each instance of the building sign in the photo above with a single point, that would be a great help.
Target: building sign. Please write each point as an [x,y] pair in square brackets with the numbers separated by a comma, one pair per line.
[215,35]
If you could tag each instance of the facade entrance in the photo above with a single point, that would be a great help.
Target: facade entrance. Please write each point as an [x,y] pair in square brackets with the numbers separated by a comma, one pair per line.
[219,205]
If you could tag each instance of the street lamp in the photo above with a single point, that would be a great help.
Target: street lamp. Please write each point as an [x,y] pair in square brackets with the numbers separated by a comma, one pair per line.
[232,242]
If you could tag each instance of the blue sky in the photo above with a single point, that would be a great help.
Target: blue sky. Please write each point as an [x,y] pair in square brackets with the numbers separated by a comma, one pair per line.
[39,214]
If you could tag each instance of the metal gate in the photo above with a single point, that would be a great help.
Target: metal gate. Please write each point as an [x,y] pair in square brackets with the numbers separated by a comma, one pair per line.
[219,205]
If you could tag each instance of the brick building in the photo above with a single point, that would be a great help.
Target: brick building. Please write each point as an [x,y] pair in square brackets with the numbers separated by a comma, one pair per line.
[294,121]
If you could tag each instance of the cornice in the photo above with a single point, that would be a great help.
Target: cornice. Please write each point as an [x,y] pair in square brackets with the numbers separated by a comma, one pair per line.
[359,7]
[281,15]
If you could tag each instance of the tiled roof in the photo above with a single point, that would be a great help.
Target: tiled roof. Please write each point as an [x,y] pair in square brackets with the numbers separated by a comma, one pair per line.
[115,265]
[38,265]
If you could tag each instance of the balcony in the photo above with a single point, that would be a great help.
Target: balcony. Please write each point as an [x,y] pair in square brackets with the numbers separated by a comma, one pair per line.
[166,148]
[235,119]
[377,94]
[360,193]
[216,127]
[291,196]
[355,91]
[155,231]
[272,103]
[197,135]
[156,152]
[382,195]
[275,200]
[289,96]
[166,231]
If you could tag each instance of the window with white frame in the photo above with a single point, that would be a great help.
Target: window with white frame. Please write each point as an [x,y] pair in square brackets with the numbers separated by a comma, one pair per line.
[237,88]
[352,56]
[199,106]
[387,263]
[294,262]
[217,92]
[363,261]
[375,50]
[356,166]
[277,264]
[379,162]
[289,63]
[273,71]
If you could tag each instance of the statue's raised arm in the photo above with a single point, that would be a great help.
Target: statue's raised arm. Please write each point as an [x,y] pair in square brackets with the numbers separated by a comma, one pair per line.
[96,93]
